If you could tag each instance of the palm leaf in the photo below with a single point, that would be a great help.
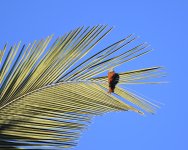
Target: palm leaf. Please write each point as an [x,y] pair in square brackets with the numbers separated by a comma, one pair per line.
[50,92]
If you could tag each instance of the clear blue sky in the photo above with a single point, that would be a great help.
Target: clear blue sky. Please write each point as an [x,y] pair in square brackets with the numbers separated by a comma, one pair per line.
[161,23]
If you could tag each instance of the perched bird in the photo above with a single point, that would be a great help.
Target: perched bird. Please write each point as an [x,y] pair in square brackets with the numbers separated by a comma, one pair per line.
[113,79]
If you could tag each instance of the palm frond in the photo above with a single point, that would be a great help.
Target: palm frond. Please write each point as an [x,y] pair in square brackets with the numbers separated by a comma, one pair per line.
[50,92]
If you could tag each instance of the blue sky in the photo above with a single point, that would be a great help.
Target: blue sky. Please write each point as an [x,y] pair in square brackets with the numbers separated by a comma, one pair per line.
[163,24]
